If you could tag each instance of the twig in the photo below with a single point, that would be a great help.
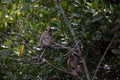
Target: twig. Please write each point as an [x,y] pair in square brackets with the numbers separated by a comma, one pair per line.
[65,18]
[40,55]
[74,38]
[71,50]
[16,59]
[75,46]
[62,47]
[102,58]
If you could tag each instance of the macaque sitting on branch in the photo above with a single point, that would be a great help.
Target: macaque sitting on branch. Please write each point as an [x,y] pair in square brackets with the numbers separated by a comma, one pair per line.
[46,38]
[73,65]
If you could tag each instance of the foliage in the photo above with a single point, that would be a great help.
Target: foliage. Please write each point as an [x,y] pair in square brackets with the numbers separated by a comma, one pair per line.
[22,21]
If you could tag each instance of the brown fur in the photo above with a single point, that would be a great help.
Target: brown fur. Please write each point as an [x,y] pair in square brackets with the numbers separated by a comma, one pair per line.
[46,38]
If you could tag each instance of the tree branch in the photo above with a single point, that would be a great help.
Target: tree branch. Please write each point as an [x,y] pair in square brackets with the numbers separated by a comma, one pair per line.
[74,38]
[59,46]
[102,58]
[65,18]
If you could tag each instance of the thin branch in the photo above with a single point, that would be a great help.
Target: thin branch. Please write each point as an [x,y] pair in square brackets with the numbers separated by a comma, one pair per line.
[40,56]
[59,46]
[75,46]
[16,59]
[102,58]
[72,49]
[65,19]
[74,38]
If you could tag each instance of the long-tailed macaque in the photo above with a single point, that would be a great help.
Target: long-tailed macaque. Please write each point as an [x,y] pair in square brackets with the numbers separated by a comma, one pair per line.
[73,64]
[46,38]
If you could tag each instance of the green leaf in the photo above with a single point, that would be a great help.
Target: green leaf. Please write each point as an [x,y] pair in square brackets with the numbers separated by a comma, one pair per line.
[95,19]
[116,51]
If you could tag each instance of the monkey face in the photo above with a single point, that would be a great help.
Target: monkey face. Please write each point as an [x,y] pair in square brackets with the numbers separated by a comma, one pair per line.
[49,30]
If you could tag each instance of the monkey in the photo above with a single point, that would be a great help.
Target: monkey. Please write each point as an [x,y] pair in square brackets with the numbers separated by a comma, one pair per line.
[46,38]
[73,65]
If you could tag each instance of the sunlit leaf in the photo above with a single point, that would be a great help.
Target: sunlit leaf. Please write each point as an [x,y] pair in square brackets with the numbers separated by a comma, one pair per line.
[21,50]
[116,51]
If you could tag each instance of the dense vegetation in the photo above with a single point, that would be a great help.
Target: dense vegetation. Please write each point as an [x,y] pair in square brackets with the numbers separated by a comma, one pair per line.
[95,22]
